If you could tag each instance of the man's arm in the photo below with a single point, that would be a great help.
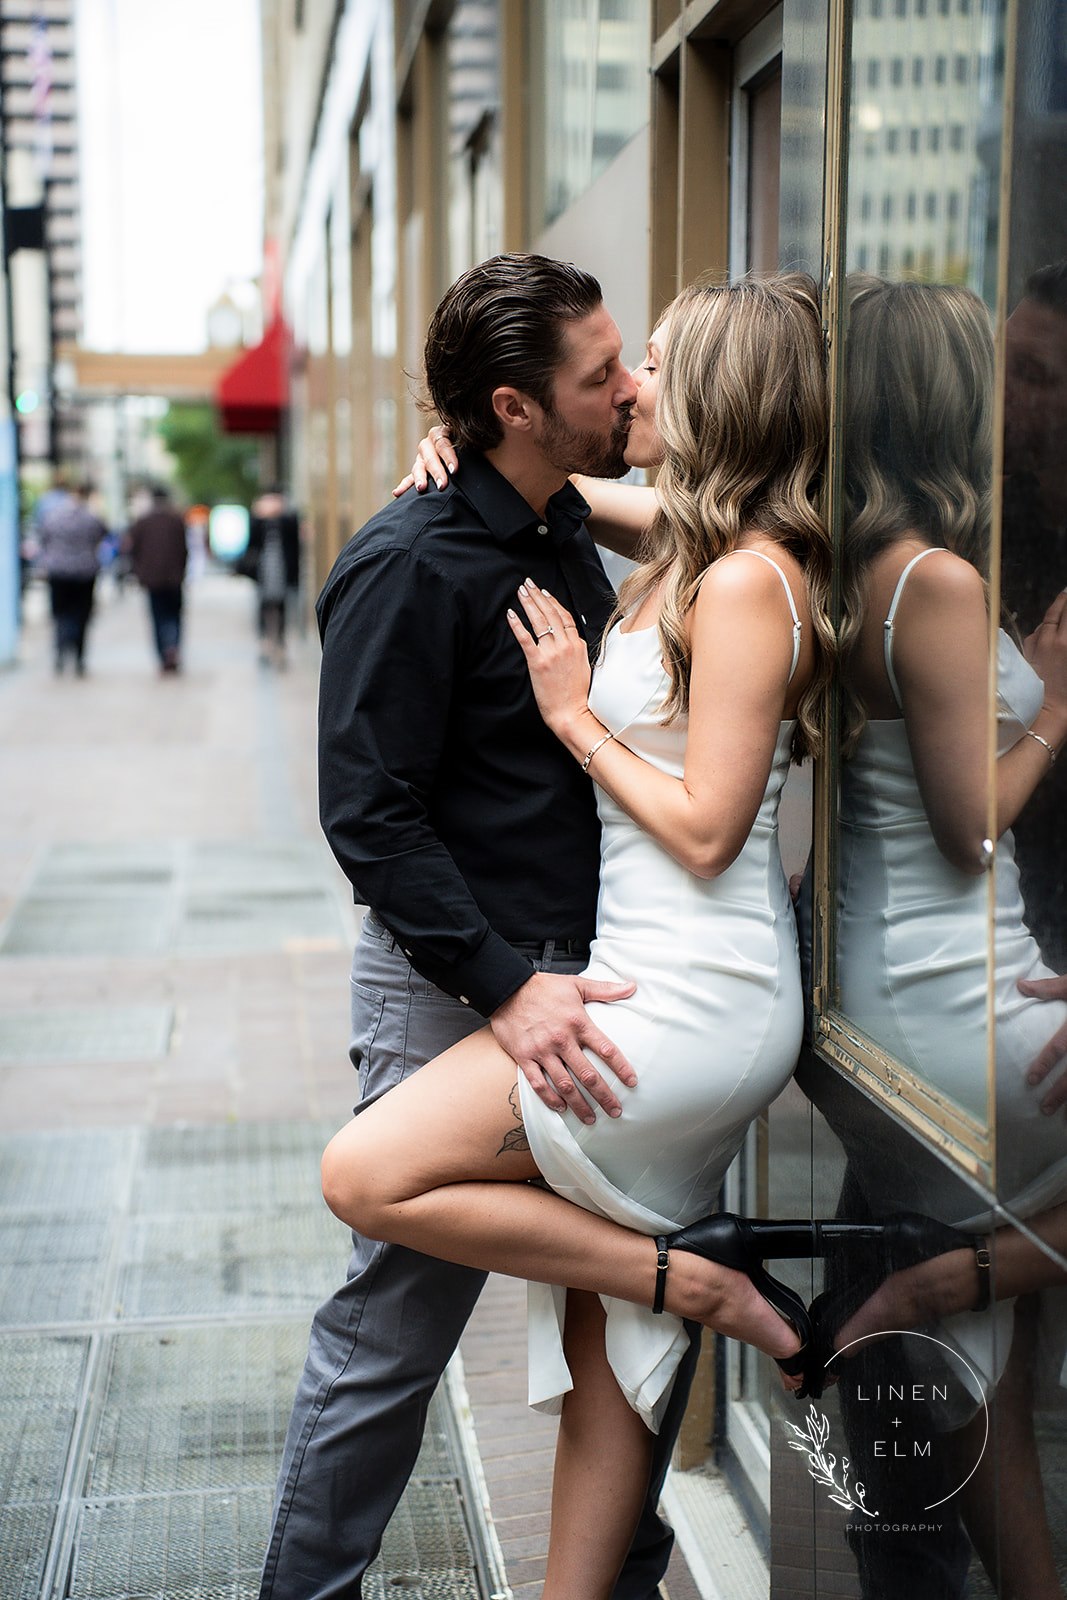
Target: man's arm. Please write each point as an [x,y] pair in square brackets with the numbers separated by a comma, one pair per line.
[1055,1049]
[391,642]
[392,647]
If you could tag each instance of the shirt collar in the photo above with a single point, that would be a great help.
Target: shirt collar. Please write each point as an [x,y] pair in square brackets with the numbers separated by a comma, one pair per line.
[504,511]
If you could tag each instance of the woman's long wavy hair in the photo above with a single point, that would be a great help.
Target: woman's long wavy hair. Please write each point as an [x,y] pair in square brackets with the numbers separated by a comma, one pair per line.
[918,436]
[742,413]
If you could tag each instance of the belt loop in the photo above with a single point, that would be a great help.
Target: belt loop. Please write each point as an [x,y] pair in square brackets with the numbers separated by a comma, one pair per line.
[549,952]
[377,930]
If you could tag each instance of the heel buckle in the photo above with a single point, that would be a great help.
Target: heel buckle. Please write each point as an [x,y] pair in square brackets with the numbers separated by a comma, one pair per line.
[662,1263]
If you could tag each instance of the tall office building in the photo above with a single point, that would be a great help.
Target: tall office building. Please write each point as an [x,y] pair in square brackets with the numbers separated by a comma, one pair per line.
[39,128]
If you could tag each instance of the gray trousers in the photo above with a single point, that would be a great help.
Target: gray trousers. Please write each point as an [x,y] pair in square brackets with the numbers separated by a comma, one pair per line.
[379,1346]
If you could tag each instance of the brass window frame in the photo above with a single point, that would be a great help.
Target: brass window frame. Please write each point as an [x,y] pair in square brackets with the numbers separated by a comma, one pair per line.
[836,1039]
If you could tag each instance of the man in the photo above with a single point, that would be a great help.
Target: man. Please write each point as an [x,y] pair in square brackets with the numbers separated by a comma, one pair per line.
[158,552]
[1033,571]
[273,557]
[472,835]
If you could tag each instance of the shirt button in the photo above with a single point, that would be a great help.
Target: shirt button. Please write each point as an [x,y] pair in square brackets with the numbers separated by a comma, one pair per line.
[542,528]
[463,1000]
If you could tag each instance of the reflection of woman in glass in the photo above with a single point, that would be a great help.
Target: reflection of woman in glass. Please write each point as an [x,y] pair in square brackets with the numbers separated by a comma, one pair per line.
[913,930]
[914,801]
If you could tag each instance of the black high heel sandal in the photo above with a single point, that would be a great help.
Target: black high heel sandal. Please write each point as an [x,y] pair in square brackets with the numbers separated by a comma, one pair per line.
[907,1239]
[743,1245]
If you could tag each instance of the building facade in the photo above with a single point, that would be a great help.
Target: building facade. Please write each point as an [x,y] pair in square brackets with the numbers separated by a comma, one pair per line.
[905,141]
[38,54]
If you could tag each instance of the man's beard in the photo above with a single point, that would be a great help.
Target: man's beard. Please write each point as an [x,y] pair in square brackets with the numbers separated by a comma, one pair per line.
[582,450]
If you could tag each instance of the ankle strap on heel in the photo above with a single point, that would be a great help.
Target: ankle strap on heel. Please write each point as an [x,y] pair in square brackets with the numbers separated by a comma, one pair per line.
[983,1261]
[662,1263]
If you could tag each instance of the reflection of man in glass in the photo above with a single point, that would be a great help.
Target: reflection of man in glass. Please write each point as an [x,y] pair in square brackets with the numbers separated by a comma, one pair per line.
[1034,563]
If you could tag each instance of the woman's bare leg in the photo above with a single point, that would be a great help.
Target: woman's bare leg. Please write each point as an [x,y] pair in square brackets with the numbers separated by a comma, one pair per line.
[949,1283]
[603,1459]
[1016,1539]
[423,1167]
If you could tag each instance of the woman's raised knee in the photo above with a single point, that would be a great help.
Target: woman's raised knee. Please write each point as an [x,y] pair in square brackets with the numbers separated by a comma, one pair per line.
[352,1183]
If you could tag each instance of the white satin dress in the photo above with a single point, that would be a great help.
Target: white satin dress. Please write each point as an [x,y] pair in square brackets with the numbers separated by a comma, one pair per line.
[913,965]
[713,1029]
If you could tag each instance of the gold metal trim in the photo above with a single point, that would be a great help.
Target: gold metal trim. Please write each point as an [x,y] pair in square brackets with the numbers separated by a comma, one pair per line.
[824,842]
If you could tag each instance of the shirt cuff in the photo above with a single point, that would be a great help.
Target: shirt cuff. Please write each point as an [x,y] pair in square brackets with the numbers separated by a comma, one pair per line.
[484,980]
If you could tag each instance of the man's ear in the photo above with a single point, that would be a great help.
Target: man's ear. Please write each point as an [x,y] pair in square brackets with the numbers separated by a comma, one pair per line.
[513,409]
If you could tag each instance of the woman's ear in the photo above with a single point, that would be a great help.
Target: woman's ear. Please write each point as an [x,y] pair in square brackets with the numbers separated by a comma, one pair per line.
[512,409]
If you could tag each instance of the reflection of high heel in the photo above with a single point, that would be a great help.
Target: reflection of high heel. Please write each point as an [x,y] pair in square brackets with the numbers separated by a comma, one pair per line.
[742,1245]
[908,1238]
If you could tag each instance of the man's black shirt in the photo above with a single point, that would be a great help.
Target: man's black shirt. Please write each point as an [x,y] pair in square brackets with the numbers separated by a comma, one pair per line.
[454,812]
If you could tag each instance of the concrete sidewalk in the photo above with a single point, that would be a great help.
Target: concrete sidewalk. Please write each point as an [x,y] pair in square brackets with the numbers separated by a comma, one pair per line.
[174,950]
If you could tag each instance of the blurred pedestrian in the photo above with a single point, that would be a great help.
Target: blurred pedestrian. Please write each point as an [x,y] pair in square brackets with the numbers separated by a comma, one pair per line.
[196,539]
[158,554]
[70,538]
[273,557]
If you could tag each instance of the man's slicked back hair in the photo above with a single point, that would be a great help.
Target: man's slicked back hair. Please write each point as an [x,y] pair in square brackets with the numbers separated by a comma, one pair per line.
[502,324]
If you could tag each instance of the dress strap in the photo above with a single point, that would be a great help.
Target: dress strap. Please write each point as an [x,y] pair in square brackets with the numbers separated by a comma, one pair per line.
[887,626]
[744,551]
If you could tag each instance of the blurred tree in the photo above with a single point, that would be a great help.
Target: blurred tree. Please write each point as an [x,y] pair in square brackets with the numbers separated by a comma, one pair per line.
[212,467]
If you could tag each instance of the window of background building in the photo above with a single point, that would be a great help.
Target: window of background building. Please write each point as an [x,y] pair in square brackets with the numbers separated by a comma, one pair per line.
[590,62]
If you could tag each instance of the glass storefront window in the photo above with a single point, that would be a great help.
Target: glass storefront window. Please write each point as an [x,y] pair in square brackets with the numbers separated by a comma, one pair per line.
[915,515]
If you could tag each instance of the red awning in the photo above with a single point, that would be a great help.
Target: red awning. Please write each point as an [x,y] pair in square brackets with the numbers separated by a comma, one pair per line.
[254,392]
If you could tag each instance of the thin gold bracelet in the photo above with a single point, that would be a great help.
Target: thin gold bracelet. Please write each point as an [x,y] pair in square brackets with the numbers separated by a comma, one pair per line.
[593,751]
[1050,749]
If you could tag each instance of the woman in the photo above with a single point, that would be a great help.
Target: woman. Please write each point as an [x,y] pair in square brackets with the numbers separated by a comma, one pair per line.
[71,539]
[711,677]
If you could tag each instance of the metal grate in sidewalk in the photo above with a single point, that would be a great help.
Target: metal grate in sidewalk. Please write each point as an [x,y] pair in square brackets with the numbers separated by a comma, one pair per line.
[50,1268]
[86,1033]
[140,1432]
[185,897]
